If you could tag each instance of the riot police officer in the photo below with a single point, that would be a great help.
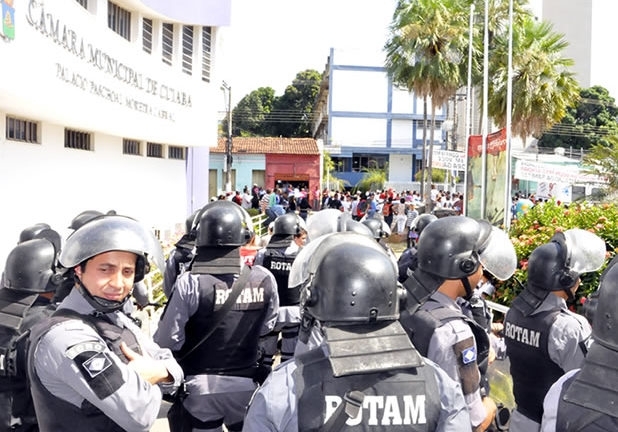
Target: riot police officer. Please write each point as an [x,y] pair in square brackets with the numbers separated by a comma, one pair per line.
[364,374]
[543,338]
[90,367]
[278,257]
[213,321]
[407,260]
[584,399]
[29,281]
[452,253]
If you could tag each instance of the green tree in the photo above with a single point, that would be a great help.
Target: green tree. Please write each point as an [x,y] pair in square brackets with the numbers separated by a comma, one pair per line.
[328,174]
[292,112]
[587,123]
[249,115]
[602,160]
[543,83]
[373,179]
[425,52]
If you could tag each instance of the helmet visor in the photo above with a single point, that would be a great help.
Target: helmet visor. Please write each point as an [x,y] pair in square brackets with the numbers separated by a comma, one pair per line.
[586,251]
[323,222]
[498,256]
[299,273]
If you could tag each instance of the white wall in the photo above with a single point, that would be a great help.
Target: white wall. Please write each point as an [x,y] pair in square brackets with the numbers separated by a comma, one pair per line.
[52,184]
[48,79]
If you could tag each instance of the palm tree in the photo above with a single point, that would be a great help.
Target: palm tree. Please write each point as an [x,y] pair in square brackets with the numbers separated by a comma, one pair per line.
[424,53]
[543,85]
[603,162]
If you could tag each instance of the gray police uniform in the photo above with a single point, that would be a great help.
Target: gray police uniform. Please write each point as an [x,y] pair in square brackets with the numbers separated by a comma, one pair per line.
[81,383]
[219,373]
[275,407]
[453,347]
[558,349]
[278,260]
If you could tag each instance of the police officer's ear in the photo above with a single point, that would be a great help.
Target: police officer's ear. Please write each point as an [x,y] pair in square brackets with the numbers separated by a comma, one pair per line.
[468,265]
[567,278]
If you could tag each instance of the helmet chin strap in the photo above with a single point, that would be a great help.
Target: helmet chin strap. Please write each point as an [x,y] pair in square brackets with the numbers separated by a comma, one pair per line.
[468,287]
[101,304]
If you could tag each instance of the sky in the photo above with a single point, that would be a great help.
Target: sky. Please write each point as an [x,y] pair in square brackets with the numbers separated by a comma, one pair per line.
[270,41]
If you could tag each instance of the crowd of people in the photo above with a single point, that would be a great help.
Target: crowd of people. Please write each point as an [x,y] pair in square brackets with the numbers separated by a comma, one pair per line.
[321,328]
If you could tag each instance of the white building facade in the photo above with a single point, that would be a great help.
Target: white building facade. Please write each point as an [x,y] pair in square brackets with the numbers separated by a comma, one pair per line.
[366,121]
[106,105]
[590,29]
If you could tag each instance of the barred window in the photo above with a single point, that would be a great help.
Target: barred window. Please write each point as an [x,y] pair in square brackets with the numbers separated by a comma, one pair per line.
[175,152]
[147,35]
[168,42]
[154,150]
[206,51]
[22,130]
[84,3]
[187,49]
[77,140]
[119,20]
[131,147]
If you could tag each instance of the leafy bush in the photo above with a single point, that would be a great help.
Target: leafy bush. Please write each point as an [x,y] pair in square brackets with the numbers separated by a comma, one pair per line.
[540,223]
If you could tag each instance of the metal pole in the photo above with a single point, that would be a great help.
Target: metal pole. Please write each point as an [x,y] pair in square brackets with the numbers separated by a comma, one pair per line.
[509,115]
[485,116]
[468,103]
[228,143]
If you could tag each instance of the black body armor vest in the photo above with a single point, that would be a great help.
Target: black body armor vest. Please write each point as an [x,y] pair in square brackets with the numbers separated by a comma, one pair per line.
[56,414]
[18,312]
[232,349]
[533,371]
[394,400]
[421,325]
[576,418]
[279,265]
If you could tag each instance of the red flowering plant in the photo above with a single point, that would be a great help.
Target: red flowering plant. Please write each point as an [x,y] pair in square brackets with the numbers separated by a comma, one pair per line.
[540,223]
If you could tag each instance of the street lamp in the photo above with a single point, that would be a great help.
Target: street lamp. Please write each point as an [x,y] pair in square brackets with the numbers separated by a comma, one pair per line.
[228,143]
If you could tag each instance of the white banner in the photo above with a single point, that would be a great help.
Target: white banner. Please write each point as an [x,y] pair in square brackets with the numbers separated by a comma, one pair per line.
[549,173]
[450,160]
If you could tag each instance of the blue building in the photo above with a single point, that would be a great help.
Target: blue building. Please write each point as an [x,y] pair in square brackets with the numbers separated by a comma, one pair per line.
[366,121]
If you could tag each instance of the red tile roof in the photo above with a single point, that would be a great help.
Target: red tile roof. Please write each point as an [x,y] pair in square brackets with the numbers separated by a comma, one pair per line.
[272,145]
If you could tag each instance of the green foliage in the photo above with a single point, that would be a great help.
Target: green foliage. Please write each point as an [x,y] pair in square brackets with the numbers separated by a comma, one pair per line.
[540,223]
[543,83]
[292,112]
[373,179]
[602,160]
[328,173]
[249,115]
[587,123]
[438,175]
[261,113]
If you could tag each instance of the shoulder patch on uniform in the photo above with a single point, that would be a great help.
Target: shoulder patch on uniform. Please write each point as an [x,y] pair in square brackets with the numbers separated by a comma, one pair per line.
[468,355]
[97,364]
[97,367]
[92,346]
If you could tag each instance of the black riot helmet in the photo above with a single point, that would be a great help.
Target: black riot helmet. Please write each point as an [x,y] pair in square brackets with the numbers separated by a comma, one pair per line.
[31,267]
[223,223]
[557,265]
[421,222]
[41,231]
[604,324]
[106,234]
[378,227]
[288,224]
[454,247]
[83,218]
[348,278]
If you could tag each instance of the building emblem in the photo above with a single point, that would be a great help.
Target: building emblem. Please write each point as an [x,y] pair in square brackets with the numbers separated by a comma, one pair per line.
[7,30]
